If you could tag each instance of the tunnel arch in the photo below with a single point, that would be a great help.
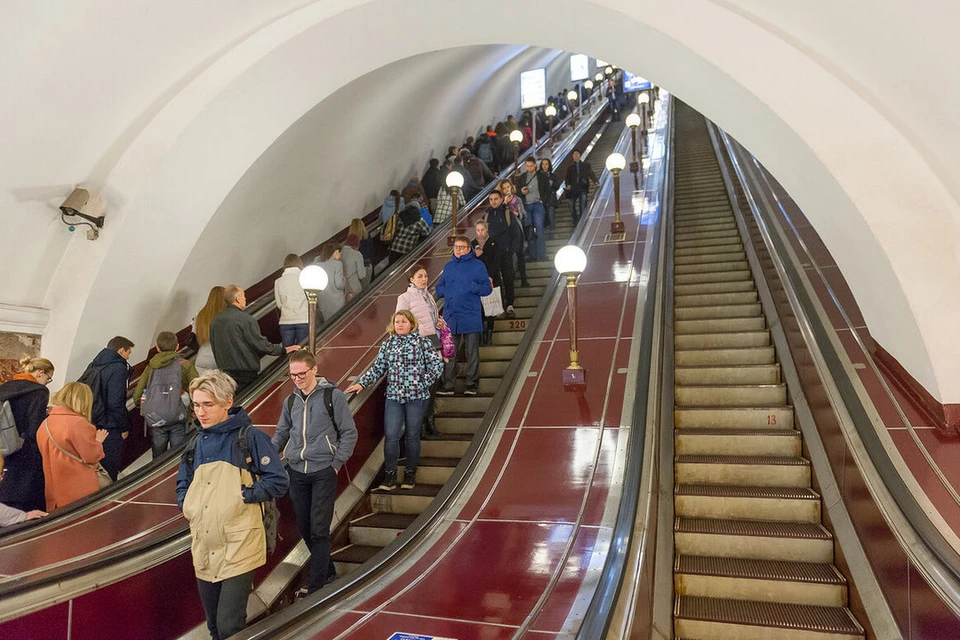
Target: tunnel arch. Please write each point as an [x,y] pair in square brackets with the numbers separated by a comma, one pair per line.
[851,169]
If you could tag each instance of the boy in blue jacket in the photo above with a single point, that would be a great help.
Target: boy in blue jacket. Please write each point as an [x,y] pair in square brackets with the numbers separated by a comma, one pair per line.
[463,282]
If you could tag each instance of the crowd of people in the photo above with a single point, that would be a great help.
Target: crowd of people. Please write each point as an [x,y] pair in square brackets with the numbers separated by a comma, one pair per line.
[71,444]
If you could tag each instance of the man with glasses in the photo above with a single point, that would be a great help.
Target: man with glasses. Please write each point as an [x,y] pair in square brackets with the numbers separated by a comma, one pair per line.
[463,282]
[317,434]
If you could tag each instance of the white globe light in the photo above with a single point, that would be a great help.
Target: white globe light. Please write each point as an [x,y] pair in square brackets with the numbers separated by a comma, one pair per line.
[588,85]
[516,136]
[598,77]
[608,70]
[572,95]
[616,162]
[550,111]
[570,259]
[633,120]
[643,98]
[454,179]
[313,278]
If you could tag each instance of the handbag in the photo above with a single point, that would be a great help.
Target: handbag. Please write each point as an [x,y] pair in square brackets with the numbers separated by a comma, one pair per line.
[447,346]
[530,232]
[103,478]
[492,304]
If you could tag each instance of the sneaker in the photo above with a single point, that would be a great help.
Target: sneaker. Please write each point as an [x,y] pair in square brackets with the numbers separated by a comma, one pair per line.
[409,479]
[470,392]
[510,312]
[300,594]
[389,482]
[445,392]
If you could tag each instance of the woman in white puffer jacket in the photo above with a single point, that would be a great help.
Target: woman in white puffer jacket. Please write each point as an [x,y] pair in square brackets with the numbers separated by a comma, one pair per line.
[291,302]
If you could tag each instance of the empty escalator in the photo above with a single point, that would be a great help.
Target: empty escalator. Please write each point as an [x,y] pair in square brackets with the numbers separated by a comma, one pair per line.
[753,559]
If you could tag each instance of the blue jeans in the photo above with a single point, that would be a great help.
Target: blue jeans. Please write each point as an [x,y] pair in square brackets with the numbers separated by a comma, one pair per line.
[395,415]
[291,334]
[551,220]
[578,205]
[537,213]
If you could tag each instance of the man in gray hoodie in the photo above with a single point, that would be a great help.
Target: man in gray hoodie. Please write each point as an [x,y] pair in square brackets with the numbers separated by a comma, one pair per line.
[317,434]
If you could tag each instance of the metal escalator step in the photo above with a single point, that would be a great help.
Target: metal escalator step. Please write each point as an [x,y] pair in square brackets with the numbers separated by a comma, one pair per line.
[720,276]
[730,395]
[734,374]
[690,252]
[711,267]
[722,253]
[397,521]
[785,461]
[714,287]
[722,340]
[744,491]
[718,311]
[753,528]
[753,355]
[814,572]
[721,325]
[734,417]
[354,554]
[797,618]
[421,490]
[758,442]
[713,299]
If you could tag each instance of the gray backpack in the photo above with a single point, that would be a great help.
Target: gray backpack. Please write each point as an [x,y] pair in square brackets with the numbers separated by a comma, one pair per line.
[162,404]
[10,440]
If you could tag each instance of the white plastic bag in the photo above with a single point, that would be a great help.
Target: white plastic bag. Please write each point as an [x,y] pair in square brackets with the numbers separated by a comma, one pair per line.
[492,304]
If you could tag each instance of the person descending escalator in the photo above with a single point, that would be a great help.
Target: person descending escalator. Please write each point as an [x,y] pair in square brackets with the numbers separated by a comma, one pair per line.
[505,231]
[221,492]
[317,434]
[514,205]
[490,255]
[411,229]
[411,366]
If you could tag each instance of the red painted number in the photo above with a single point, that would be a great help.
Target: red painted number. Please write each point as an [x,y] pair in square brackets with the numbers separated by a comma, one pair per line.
[772,418]
[518,324]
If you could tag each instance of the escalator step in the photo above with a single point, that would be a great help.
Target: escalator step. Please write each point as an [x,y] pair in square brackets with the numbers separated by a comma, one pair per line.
[819,572]
[748,613]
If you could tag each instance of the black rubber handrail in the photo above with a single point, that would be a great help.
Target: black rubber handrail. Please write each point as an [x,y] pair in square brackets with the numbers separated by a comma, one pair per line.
[267,377]
[891,477]
[282,621]
[600,612]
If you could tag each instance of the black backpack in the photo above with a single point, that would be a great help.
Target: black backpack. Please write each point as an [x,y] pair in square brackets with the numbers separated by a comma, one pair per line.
[328,403]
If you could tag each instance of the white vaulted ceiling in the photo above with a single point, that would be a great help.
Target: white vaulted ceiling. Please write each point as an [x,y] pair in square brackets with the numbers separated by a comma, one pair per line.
[220,129]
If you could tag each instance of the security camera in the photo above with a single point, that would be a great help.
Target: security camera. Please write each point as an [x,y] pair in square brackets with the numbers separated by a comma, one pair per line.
[83,204]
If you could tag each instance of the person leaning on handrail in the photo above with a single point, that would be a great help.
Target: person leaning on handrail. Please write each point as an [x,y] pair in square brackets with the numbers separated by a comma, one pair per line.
[201,329]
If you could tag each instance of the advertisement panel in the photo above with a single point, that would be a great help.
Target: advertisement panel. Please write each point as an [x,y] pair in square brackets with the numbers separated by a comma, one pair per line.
[579,67]
[533,88]
[633,82]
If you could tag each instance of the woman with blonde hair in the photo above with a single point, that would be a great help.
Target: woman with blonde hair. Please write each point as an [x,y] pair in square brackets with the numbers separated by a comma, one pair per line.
[71,446]
[201,328]
[22,487]
[411,365]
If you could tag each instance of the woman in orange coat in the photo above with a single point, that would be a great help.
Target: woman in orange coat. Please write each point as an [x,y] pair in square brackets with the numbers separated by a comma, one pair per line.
[70,446]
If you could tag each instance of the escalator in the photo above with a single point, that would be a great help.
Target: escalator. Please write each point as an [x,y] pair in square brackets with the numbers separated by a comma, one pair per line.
[752,557]
[386,514]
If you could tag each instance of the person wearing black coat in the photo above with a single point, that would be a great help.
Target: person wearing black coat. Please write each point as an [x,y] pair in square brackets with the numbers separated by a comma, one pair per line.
[579,176]
[107,376]
[506,232]
[550,198]
[23,486]
[431,183]
[489,253]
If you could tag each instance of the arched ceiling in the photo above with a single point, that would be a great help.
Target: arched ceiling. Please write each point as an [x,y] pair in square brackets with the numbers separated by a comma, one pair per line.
[166,107]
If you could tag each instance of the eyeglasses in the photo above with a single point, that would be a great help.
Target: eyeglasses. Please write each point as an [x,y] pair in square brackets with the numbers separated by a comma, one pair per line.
[204,405]
[299,376]
[462,247]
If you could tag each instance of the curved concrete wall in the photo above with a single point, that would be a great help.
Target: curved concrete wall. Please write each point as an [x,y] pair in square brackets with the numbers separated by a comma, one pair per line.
[849,105]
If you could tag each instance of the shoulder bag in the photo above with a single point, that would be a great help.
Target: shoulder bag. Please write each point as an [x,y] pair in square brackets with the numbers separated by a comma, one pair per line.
[103,478]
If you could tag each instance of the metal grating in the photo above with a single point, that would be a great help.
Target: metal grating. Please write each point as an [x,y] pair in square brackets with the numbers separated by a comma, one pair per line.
[737,491]
[716,431]
[779,461]
[782,570]
[805,617]
[758,528]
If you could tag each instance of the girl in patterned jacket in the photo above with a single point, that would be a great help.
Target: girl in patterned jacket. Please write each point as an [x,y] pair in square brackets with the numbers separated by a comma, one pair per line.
[411,366]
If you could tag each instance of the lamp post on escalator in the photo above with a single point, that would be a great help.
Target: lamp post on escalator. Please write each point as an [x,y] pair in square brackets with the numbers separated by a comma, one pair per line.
[571,261]
[516,136]
[550,112]
[572,99]
[643,101]
[454,182]
[633,121]
[615,164]
[588,87]
[313,280]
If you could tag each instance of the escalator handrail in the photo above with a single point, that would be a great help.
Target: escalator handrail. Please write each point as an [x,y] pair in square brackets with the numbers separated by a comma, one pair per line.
[947,575]
[401,545]
[262,305]
[266,378]
[600,612]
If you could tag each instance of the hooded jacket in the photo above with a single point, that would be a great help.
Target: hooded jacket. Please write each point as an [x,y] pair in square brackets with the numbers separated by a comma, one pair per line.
[463,281]
[389,208]
[187,372]
[307,437]
[220,499]
[290,298]
[237,341]
[411,366]
[110,391]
